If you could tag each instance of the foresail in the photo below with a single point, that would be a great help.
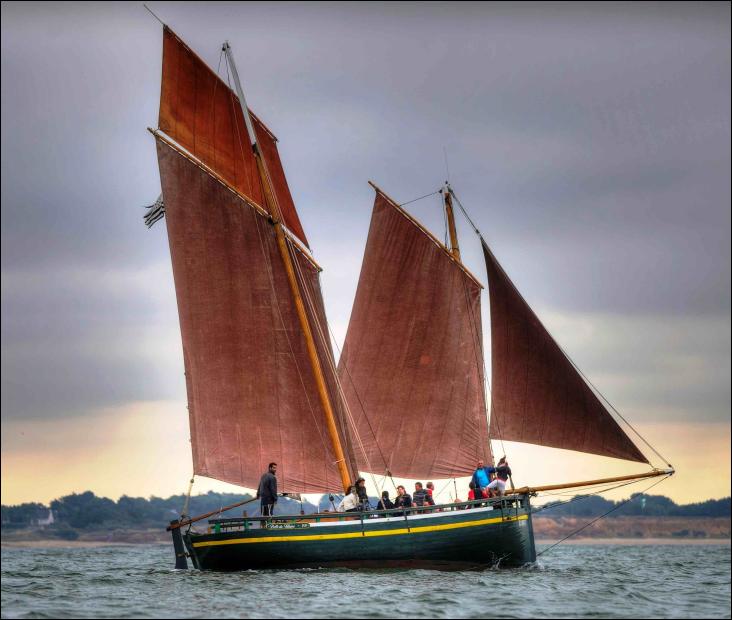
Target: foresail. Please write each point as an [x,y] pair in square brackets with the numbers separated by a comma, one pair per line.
[538,396]
[252,397]
[412,363]
[200,112]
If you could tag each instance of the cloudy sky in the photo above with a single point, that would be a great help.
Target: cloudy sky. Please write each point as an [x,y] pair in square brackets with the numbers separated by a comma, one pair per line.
[591,145]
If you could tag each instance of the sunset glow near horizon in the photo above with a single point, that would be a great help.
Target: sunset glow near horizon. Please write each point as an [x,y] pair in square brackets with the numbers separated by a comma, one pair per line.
[590,145]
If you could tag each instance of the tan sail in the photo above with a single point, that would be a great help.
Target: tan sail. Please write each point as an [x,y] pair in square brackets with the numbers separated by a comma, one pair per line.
[200,112]
[412,363]
[538,396]
[251,392]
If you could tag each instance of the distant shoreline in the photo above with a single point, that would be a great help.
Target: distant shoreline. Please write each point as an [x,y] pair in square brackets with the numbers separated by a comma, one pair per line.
[639,541]
[70,544]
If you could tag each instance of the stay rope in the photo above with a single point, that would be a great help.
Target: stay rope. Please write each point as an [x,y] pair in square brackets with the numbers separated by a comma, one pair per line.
[409,202]
[363,408]
[602,516]
[186,503]
[331,363]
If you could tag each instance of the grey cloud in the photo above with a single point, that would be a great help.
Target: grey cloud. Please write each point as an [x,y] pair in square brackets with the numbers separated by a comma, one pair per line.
[591,145]
[77,341]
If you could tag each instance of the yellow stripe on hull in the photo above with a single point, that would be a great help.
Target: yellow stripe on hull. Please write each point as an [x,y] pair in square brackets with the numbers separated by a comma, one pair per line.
[364,534]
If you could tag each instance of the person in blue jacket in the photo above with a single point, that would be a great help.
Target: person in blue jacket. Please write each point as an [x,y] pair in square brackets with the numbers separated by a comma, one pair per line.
[482,477]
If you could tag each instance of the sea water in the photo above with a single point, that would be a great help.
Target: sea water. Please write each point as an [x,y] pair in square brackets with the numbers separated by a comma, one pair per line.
[569,581]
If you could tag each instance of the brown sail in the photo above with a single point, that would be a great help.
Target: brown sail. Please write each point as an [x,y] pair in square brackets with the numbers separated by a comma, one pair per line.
[538,396]
[200,112]
[412,363]
[251,393]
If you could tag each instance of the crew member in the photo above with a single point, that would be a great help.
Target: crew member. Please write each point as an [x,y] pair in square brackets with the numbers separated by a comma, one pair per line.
[267,491]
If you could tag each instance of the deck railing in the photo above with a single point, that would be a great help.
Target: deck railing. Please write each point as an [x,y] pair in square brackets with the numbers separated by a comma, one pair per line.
[509,507]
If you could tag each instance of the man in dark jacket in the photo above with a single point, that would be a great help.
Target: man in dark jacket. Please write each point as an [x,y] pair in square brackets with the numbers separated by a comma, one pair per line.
[503,473]
[420,497]
[363,496]
[267,491]
[403,499]
[385,503]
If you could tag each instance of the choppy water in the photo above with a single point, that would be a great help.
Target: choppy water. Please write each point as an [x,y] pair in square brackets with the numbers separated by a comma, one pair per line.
[582,581]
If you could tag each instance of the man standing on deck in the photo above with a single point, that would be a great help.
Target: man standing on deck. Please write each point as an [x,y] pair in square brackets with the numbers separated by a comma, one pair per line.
[482,478]
[267,491]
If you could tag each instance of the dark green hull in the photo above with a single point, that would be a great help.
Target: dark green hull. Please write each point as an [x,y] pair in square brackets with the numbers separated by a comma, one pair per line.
[456,539]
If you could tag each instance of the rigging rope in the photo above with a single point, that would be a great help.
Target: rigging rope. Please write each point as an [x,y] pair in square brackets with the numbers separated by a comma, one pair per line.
[331,363]
[486,381]
[420,198]
[480,361]
[297,266]
[602,516]
[363,408]
[186,503]
[289,344]
[233,111]
[576,498]
[212,113]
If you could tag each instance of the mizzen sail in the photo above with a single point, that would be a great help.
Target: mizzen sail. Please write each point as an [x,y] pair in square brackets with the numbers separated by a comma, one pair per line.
[252,397]
[200,112]
[412,363]
[538,396]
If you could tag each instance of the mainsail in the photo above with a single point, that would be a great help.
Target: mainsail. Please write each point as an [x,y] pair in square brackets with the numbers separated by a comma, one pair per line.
[412,363]
[202,114]
[538,396]
[252,395]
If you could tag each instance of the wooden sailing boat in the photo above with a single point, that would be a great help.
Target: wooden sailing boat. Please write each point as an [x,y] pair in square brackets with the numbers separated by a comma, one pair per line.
[261,379]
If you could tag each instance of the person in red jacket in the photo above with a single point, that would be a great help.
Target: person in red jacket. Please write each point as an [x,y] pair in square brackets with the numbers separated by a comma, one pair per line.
[475,493]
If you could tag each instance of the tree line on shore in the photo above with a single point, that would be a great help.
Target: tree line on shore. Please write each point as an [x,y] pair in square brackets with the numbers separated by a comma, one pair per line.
[87,511]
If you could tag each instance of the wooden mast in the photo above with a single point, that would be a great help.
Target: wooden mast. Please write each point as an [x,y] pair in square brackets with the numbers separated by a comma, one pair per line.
[275,213]
[454,247]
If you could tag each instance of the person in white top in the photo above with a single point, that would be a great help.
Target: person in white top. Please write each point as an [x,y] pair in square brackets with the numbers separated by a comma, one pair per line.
[350,503]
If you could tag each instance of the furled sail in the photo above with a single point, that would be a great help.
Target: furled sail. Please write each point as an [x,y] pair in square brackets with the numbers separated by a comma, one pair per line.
[538,396]
[200,112]
[252,397]
[412,363]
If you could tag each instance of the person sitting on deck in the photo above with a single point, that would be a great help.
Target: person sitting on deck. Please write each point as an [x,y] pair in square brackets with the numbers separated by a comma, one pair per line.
[503,473]
[482,476]
[402,500]
[476,493]
[471,493]
[350,502]
[430,488]
[385,503]
[421,496]
[363,496]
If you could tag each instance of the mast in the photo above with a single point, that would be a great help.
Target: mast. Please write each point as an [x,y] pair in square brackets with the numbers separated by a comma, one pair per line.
[274,209]
[454,247]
